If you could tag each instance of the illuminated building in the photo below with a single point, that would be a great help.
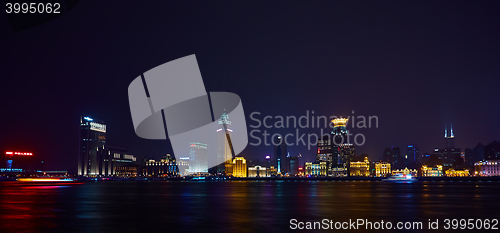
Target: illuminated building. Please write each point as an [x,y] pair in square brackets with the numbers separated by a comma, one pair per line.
[293,164]
[224,150]
[432,171]
[301,171]
[271,171]
[487,168]
[257,171]
[239,167]
[406,171]
[449,156]
[166,166]
[382,169]
[342,150]
[325,150]
[183,165]
[360,168]
[198,158]
[16,162]
[280,155]
[92,139]
[127,171]
[111,157]
[457,173]
[317,168]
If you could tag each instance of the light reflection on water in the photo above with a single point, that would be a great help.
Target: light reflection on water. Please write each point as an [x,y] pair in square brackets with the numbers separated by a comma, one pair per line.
[236,206]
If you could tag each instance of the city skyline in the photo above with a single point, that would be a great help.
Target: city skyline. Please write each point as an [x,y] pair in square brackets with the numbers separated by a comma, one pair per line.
[372,72]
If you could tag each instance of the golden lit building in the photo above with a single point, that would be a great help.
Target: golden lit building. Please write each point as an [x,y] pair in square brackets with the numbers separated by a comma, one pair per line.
[317,168]
[382,169]
[257,171]
[271,171]
[360,168]
[457,173]
[406,171]
[432,171]
[239,167]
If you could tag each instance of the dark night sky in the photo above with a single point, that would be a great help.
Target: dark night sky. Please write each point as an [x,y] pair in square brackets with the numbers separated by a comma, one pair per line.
[415,65]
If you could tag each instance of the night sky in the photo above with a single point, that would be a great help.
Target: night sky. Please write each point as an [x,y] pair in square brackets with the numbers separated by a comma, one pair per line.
[415,65]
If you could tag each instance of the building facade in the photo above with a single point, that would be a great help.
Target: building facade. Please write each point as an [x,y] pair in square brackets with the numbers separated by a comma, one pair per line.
[257,171]
[239,167]
[92,139]
[432,171]
[360,168]
[382,169]
[166,166]
[224,147]
[487,168]
[198,158]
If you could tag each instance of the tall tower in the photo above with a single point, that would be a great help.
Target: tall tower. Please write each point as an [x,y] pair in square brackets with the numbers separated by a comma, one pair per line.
[224,150]
[280,155]
[92,139]
[450,143]
[343,151]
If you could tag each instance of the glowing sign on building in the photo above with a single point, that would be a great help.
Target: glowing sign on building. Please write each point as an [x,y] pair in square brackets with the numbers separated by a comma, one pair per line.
[98,127]
[88,119]
[18,153]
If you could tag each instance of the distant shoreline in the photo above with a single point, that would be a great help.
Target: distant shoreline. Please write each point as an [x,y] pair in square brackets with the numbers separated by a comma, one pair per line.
[223,179]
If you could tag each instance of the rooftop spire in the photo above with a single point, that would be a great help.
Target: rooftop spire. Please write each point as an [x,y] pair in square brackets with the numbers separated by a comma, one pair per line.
[445,131]
[451,131]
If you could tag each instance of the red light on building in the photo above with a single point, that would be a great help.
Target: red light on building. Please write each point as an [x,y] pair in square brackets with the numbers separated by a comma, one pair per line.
[300,168]
[19,153]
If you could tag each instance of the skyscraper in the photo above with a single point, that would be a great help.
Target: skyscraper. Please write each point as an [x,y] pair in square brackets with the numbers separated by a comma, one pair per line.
[396,160]
[412,155]
[198,157]
[449,156]
[342,150]
[224,150]
[92,139]
[280,155]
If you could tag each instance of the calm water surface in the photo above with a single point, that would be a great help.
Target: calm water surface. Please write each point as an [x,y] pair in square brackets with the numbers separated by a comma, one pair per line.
[237,206]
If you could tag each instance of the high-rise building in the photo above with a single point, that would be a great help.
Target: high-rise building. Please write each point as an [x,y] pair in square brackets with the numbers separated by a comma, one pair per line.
[293,165]
[473,155]
[224,147]
[449,156]
[198,158]
[92,139]
[280,155]
[396,159]
[325,149]
[387,155]
[239,167]
[412,156]
[492,151]
[342,150]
